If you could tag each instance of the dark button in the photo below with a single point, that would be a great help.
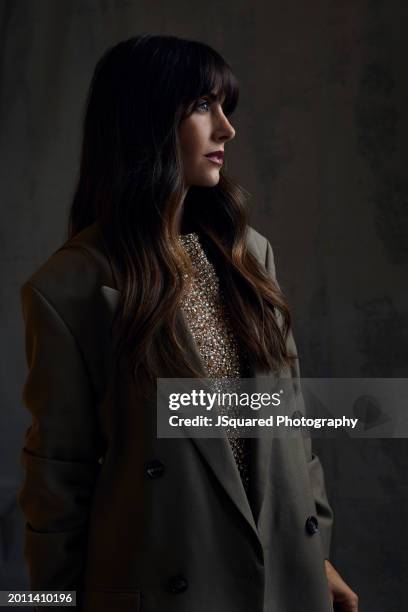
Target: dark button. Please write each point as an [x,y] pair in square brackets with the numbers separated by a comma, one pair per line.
[154,468]
[312,525]
[178,584]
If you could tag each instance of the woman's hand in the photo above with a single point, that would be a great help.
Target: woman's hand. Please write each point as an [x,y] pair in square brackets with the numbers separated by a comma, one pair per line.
[343,598]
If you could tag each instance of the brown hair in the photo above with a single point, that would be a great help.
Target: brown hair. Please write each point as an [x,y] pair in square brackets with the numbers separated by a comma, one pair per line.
[130,181]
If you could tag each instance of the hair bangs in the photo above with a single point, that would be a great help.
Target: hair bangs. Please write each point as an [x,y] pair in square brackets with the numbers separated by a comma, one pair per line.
[218,79]
[209,75]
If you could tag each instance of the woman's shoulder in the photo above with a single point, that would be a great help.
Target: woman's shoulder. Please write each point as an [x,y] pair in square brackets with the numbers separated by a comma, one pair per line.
[76,270]
[256,243]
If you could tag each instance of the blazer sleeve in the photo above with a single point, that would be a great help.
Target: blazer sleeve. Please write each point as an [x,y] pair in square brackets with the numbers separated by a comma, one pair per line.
[324,512]
[60,452]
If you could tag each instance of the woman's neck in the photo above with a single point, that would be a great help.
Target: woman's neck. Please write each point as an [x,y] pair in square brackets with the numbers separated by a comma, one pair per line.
[187,227]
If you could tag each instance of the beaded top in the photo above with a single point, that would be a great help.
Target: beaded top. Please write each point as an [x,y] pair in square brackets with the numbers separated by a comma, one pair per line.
[207,316]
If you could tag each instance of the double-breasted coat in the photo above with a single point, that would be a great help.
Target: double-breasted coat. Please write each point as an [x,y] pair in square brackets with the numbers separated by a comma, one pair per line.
[137,523]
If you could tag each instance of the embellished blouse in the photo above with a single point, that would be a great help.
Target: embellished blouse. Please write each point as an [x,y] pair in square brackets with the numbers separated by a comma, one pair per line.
[207,316]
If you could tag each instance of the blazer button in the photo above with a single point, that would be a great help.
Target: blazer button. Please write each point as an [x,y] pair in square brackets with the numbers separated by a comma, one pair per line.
[154,468]
[312,525]
[178,584]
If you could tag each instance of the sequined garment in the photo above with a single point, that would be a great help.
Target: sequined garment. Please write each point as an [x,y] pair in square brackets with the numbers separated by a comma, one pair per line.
[206,313]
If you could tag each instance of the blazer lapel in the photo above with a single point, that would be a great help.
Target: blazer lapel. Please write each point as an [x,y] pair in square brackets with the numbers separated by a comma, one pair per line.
[261,457]
[218,453]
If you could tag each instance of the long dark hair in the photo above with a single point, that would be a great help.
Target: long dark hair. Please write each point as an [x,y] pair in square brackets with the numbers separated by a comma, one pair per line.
[131,183]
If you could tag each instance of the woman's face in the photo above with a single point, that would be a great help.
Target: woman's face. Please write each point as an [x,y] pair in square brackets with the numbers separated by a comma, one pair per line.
[203,132]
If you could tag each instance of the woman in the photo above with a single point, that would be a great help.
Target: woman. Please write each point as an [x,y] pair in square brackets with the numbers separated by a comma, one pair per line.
[163,277]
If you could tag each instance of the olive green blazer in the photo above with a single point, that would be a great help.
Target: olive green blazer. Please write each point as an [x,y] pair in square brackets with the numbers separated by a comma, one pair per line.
[136,523]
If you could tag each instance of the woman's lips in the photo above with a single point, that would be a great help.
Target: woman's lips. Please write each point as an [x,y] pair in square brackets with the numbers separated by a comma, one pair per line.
[216,159]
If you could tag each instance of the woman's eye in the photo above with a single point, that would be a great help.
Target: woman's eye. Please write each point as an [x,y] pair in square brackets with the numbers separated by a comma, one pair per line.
[204,105]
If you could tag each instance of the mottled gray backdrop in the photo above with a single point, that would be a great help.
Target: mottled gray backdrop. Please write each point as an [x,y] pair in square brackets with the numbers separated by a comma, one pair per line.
[321,146]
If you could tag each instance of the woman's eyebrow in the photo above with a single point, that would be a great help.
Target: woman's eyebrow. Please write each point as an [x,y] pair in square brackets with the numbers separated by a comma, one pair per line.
[214,96]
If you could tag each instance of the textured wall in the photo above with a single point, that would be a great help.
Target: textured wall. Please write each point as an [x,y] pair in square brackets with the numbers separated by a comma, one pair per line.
[321,145]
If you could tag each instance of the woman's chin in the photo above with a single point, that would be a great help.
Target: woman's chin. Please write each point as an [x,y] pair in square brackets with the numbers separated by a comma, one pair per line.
[211,179]
[207,179]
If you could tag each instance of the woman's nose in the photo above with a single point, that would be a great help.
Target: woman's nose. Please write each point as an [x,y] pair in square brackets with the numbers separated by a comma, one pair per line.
[224,129]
